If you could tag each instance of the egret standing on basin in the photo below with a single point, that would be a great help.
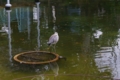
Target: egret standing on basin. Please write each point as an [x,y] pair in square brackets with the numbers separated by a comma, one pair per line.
[53,40]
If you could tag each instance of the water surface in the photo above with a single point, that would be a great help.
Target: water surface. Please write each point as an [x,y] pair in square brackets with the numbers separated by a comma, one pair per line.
[90,42]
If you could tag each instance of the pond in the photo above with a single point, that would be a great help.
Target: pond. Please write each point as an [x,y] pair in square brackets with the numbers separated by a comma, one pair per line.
[88,39]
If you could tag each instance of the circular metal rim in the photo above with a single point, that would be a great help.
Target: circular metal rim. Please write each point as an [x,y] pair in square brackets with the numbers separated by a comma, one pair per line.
[45,62]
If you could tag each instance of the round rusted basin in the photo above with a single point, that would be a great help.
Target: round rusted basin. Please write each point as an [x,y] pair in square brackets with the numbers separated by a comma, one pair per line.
[36,57]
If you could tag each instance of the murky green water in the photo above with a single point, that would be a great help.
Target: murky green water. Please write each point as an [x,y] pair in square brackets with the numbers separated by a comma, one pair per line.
[89,41]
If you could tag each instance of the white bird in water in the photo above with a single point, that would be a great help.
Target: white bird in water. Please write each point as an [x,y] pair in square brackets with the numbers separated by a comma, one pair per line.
[5,29]
[53,39]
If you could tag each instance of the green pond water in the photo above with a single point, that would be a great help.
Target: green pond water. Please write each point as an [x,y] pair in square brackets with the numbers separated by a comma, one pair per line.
[89,41]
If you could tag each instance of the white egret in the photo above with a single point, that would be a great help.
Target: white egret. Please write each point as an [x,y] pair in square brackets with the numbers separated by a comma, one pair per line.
[53,39]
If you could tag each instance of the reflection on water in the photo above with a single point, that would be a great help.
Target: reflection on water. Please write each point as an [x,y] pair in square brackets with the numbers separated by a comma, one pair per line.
[97,34]
[40,77]
[35,13]
[73,10]
[9,35]
[96,37]
[55,68]
[28,23]
[45,23]
[107,59]
[4,29]
[54,18]
[3,20]
[91,43]
[3,17]
[21,17]
[38,24]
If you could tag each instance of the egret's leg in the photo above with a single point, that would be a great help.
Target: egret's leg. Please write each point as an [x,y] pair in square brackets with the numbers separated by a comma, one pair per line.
[54,48]
[50,49]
